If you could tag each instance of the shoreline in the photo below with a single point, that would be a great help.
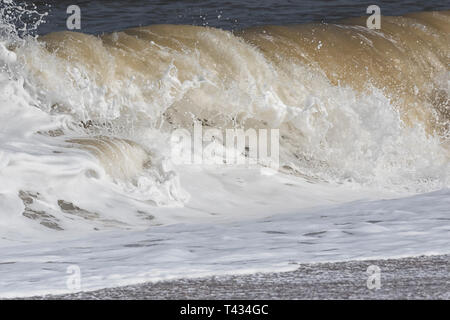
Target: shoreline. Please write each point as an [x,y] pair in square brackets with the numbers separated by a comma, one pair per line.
[424,277]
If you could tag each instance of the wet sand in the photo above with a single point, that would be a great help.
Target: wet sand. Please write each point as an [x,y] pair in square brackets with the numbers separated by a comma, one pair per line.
[425,277]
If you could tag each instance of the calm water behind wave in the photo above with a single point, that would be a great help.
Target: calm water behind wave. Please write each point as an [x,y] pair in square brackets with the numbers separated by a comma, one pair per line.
[113,15]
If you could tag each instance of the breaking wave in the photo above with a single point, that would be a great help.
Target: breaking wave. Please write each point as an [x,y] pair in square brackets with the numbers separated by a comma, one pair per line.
[86,120]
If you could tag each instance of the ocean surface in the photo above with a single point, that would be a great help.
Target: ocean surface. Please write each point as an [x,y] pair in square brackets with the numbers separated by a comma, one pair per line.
[96,124]
[107,16]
